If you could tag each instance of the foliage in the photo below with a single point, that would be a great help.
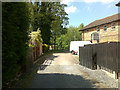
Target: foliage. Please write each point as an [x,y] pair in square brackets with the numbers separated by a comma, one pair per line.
[35,38]
[45,48]
[81,26]
[50,17]
[72,34]
[41,17]
[58,25]
[45,45]
[15,23]
[60,21]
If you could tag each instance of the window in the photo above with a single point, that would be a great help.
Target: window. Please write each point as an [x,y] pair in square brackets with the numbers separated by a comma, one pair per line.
[105,28]
[98,29]
[113,26]
[95,36]
[87,30]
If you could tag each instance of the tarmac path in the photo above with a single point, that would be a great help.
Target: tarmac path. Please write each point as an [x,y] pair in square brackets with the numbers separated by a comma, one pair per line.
[60,70]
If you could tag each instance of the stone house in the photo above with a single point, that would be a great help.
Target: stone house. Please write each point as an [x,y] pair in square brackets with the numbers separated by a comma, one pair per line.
[102,30]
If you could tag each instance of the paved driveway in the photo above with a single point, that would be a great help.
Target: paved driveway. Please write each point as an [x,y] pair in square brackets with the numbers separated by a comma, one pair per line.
[60,70]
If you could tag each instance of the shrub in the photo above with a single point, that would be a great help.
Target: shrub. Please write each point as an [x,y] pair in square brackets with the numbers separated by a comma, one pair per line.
[15,17]
[45,48]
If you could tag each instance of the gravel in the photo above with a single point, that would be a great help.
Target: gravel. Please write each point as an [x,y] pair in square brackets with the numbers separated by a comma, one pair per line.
[62,70]
[103,77]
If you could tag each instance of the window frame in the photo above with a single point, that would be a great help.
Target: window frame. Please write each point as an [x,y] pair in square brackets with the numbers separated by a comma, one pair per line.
[87,30]
[97,28]
[113,26]
[104,28]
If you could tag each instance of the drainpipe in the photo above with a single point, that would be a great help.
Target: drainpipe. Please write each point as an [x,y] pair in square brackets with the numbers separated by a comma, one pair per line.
[83,35]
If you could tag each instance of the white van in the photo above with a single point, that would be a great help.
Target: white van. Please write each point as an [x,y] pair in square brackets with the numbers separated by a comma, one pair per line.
[74,46]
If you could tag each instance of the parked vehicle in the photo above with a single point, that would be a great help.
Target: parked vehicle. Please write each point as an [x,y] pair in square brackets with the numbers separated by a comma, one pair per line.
[74,46]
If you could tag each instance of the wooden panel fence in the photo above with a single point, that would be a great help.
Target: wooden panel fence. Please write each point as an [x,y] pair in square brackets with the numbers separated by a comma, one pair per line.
[104,54]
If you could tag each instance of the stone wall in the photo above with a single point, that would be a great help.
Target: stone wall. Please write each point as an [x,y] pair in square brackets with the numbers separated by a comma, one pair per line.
[105,36]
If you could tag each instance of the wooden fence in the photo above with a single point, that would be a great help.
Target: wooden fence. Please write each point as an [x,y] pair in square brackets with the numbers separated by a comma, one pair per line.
[33,54]
[104,54]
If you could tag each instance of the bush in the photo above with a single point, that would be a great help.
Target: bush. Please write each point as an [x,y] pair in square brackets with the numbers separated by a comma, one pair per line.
[45,48]
[15,17]
[66,47]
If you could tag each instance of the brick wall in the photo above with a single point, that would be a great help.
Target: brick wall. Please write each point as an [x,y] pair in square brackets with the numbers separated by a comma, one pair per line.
[105,36]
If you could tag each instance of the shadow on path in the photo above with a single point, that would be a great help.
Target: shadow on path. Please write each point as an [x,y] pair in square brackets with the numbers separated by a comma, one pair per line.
[57,80]
[47,62]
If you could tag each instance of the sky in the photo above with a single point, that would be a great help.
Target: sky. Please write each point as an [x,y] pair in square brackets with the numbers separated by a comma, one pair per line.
[87,11]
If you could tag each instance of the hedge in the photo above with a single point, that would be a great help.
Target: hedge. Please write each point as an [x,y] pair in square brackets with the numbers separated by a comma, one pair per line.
[15,23]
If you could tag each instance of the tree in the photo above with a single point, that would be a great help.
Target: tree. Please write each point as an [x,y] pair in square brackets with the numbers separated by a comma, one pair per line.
[50,17]
[72,34]
[41,18]
[34,16]
[81,26]
[45,21]
[58,26]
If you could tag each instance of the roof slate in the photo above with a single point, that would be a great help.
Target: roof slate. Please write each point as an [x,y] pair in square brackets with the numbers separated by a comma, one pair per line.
[106,20]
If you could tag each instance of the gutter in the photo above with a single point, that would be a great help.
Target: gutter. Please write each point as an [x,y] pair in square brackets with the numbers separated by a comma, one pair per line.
[97,25]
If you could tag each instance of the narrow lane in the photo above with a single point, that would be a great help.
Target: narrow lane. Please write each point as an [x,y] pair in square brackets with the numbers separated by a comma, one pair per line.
[61,71]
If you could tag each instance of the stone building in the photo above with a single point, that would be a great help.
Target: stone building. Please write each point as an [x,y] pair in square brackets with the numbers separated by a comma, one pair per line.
[102,30]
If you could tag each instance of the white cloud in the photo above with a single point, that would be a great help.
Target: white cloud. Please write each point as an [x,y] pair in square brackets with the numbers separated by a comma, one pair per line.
[71,9]
[102,1]
[67,1]
[89,1]
[109,6]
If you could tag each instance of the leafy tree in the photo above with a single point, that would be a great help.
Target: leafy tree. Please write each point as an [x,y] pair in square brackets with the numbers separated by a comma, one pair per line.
[42,18]
[50,17]
[45,21]
[72,34]
[34,16]
[81,26]
[58,26]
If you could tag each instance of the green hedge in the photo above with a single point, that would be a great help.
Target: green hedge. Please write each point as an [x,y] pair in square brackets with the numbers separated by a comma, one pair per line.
[15,23]
[45,48]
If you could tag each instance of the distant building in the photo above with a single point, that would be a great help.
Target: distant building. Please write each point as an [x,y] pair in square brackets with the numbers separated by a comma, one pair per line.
[102,30]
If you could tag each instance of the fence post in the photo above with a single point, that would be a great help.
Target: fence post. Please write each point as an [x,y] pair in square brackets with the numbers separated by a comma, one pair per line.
[115,75]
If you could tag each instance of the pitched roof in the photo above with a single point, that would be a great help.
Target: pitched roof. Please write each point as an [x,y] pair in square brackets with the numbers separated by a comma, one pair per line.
[102,21]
